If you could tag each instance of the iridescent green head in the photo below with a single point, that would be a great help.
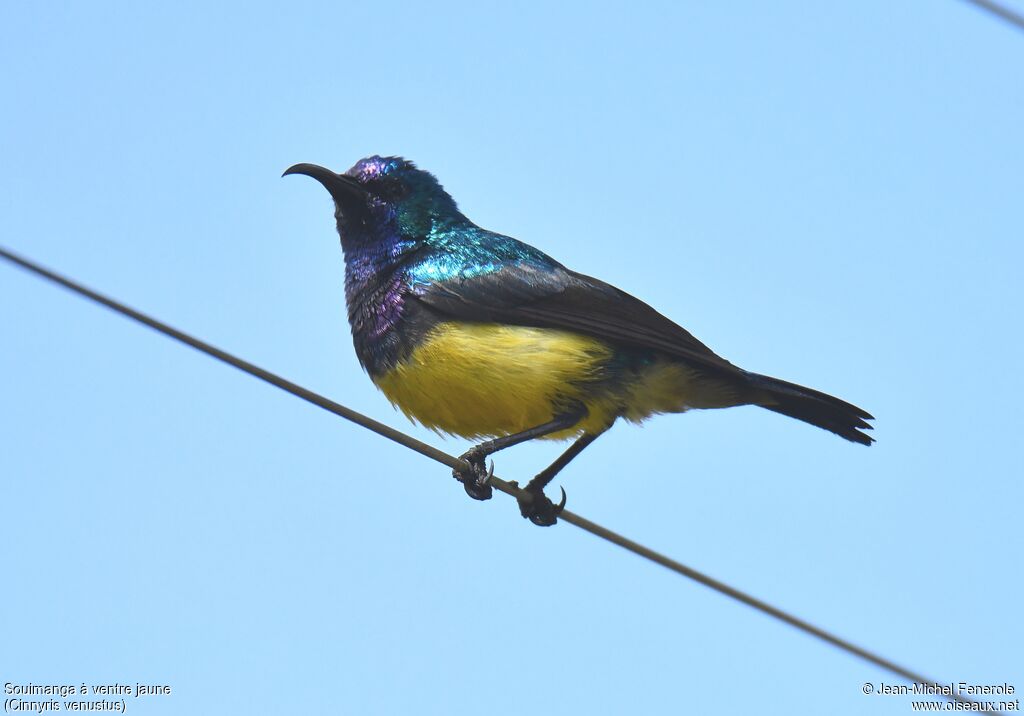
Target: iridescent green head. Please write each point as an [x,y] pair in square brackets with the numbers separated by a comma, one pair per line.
[380,195]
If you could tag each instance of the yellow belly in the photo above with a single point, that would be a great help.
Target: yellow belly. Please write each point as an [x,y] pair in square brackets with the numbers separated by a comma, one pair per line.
[483,380]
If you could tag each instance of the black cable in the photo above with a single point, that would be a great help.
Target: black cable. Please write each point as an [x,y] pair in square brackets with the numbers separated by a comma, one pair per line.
[1004,13]
[510,488]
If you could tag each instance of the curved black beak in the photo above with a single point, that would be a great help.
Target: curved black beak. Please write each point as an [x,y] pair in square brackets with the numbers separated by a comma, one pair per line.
[346,191]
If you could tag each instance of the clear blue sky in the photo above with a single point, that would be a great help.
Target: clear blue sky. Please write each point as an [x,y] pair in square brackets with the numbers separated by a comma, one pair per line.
[830,193]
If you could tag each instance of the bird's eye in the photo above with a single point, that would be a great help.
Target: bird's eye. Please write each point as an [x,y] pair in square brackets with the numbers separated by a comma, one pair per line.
[388,188]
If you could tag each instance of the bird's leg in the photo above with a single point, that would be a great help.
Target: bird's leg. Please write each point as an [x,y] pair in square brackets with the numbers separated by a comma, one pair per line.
[476,479]
[535,506]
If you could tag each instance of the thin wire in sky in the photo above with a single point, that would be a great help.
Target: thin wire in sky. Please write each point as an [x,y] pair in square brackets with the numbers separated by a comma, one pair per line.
[510,488]
[1001,11]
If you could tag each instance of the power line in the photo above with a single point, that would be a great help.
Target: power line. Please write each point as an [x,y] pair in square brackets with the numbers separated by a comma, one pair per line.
[1004,13]
[509,488]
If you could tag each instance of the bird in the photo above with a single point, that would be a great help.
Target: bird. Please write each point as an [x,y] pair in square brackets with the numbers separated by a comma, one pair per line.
[479,335]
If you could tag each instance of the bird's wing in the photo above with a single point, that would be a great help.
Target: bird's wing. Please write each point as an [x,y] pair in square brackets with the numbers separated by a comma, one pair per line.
[527,293]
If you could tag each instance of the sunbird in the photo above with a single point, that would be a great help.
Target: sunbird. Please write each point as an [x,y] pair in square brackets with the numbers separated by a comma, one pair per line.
[476,334]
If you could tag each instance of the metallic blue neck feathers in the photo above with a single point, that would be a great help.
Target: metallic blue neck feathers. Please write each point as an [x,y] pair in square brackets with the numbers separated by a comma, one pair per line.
[410,235]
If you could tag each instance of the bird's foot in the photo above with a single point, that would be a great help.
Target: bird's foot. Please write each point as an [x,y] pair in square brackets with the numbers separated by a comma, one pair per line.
[477,479]
[535,506]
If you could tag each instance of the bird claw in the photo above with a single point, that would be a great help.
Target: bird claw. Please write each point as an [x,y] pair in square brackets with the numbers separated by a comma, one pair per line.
[536,507]
[476,480]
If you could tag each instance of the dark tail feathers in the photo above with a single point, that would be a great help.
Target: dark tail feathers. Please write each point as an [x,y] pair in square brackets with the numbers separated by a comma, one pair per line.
[814,407]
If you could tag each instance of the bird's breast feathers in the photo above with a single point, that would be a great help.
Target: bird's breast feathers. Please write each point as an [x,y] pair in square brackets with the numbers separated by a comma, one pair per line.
[481,380]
